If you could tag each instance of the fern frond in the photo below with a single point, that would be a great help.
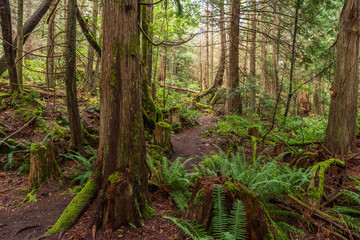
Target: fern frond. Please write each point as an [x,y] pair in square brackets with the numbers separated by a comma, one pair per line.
[190,228]
[220,218]
[237,220]
[353,196]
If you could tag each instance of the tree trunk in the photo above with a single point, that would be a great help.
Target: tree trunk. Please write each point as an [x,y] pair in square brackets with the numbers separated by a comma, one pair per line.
[20,42]
[219,77]
[206,80]
[29,26]
[89,72]
[341,130]
[5,17]
[234,100]
[275,55]
[293,49]
[50,71]
[70,77]
[121,154]
[43,164]
[252,80]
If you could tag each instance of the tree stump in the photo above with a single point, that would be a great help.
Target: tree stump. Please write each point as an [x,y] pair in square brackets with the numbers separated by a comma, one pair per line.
[174,115]
[254,131]
[201,205]
[43,165]
[161,136]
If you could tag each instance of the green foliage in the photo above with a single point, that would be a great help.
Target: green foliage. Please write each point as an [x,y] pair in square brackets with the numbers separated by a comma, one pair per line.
[84,165]
[266,181]
[171,177]
[189,116]
[16,151]
[224,226]
[318,170]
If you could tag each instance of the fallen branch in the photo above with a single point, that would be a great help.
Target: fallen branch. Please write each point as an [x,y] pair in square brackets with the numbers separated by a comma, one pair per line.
[26,228]
[19,130]
[179,88]
[324,217]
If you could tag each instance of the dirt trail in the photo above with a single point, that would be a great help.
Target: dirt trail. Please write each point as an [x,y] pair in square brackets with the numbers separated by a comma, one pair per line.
[191,143]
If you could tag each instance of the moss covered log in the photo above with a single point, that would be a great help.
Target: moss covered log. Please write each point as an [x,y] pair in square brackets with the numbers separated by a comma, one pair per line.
[75,207]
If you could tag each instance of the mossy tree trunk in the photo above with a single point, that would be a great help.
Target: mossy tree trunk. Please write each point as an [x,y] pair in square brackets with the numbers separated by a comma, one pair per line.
[121,153]
[43,165]
[341,130]
[50,71]
[70,77]
[5,17]
[20,42]
[151,112]
[201,205]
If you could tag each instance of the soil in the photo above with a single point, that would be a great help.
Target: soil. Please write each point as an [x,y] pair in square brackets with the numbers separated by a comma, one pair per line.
[32,219]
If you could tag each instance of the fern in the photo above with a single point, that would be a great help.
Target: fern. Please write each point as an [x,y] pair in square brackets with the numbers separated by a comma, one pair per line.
[190,228]
[171,177]
[237,220]
[220,220]
[351,195]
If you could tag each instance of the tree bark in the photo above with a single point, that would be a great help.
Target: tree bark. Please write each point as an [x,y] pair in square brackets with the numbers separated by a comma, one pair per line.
[50,71]
[20,42]
[5,17]
[70,77]
[219,77]
[28,27]
[341,130]
[89,73]
[234,100]
[252,80]
[275,54]
[121,154]
[293,49]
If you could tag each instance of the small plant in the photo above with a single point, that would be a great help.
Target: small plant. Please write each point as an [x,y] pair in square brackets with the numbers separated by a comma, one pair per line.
[82,173]
[224,226]
[189,116]
[171,177]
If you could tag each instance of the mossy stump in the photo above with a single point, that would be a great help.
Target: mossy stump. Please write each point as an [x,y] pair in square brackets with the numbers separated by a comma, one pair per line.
[254,131]
[43,165]
[174,115]
[161,136]
[201,205]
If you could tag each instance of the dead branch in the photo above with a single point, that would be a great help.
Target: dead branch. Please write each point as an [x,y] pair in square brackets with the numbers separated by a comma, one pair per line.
[19,130]
[179,88]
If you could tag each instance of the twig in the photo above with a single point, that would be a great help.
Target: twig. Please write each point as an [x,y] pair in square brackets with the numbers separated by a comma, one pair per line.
[19,130]
[26,228]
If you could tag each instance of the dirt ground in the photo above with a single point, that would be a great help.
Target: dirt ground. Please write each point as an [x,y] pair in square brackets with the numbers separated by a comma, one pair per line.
[32,219]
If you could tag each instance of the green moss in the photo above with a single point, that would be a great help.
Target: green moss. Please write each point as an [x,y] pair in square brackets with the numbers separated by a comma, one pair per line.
[231,187]
[113,178]
[163,124]
[3,105]
[148,211]
[75,207]
[89,137]
[198,197]
[134,45]
[319,170]
[113,79]
[2,133]
[30,197]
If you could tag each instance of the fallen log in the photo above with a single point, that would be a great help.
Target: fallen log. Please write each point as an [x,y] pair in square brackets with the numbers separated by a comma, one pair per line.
[17,131]
[179,88]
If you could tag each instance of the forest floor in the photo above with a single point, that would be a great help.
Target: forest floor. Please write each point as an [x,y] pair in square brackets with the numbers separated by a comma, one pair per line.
[32,219]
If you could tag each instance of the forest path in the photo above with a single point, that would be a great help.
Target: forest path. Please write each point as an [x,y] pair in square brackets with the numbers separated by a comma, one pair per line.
[192,143]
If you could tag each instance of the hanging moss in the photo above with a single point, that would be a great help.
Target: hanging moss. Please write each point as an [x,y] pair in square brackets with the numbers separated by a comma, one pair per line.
[75,207]
[318,170]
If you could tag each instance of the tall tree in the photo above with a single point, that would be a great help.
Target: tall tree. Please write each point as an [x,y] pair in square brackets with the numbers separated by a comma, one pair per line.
[252,76]
[5,17]
[219,77]
[28,27]
[70,77]
[122,145]
[20,42]
[341,130]
[50,71]
[234,101]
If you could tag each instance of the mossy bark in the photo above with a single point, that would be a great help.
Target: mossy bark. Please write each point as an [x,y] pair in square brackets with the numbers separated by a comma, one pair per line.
[43,165]
[161,136]
[75,207]
[201,205]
